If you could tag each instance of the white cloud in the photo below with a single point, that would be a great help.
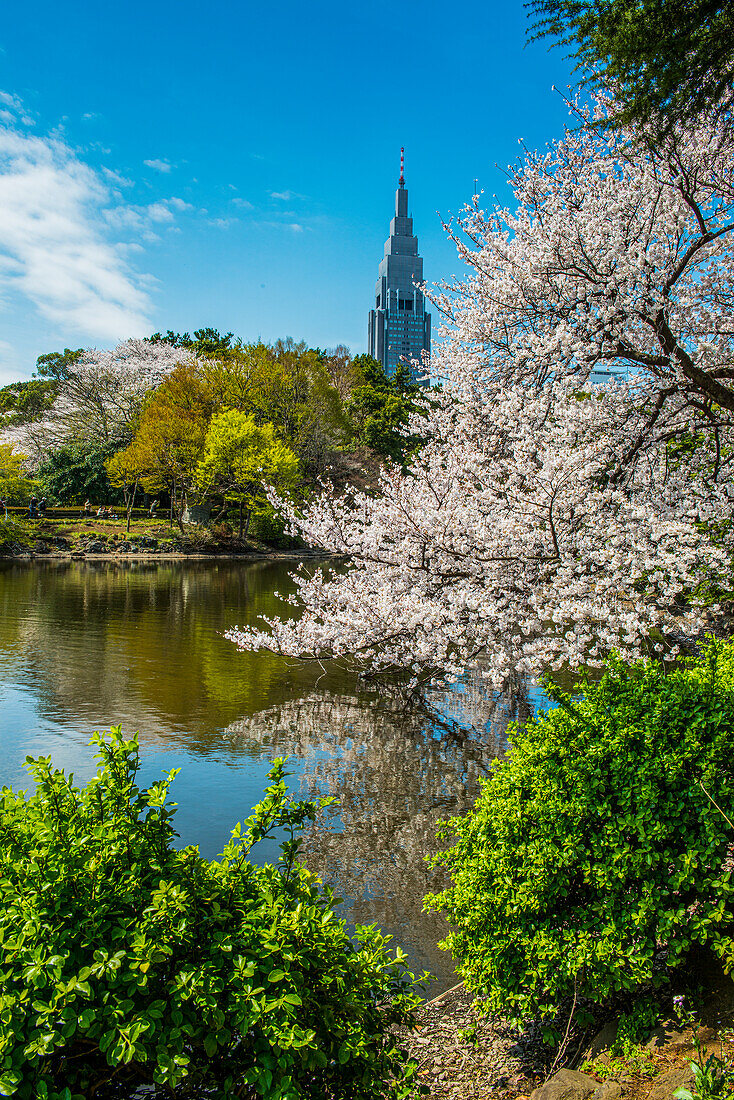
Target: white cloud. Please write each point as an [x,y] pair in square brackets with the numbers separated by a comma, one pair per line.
[145,220]
[283,196]
[159,212]
[15,103]
[243,204]
[294,227]
[116,178]
[54,244]
[158,165]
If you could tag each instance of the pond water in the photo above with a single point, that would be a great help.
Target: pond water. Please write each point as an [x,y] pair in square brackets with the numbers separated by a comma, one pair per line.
[86,645]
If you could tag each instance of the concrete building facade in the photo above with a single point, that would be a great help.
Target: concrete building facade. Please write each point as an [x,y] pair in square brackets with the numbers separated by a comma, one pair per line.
[399,329]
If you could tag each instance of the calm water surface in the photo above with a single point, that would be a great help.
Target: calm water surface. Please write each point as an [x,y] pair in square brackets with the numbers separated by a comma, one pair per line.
[86,645]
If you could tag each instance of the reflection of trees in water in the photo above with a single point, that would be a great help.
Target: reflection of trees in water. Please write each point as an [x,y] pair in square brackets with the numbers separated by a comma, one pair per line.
[394,771]
[142,643]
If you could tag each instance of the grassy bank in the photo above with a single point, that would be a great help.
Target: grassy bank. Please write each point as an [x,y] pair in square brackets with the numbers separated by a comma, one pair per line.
[66,531]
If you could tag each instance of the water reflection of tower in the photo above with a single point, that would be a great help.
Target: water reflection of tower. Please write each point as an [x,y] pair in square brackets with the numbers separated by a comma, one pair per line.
[395,771]
[399,329]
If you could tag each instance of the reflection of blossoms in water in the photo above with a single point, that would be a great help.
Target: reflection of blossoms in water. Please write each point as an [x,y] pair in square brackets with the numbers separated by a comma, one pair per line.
[395,771]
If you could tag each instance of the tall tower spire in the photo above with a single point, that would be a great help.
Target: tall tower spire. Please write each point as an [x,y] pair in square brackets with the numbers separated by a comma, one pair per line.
[399,329]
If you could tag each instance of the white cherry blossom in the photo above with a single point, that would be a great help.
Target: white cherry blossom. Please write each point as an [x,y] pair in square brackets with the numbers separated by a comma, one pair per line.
[99,398]
[546,521]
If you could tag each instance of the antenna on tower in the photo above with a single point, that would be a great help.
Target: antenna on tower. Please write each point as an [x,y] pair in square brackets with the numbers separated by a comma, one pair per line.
[402,167]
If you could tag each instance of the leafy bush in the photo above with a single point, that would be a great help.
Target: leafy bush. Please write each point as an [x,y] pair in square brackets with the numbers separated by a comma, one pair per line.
[635,1026]
[125,961]
[15,532]
[76,472]
[267,525]
[595,841]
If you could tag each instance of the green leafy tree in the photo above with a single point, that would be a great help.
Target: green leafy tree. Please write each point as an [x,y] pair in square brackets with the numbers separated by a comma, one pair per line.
[125,474]
[21,402]
[15,486]
[667,61]
[76,472]
[205,341]
[286,384]
[55,365]
[599,839]
[128,962]
[169,442]
[380,407]
[241,458]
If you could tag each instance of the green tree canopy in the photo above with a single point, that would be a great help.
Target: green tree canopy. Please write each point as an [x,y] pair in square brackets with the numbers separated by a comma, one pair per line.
[286,384]
[667,61]
[380,406]
[76,472]
[21,402]
[55,364]
[241,458]
[15,487]
[169,442]
[205,341]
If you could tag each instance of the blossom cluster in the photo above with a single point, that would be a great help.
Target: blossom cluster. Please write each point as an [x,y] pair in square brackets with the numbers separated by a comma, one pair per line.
[546,521]
[100,397]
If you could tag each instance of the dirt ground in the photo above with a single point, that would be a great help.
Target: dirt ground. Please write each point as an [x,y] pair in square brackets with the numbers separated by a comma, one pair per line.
[463,1055]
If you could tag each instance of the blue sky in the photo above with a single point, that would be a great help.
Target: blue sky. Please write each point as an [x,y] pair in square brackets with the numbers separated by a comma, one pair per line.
[171,164]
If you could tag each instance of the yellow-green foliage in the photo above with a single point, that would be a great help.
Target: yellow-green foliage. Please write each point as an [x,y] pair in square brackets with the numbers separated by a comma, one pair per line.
[15,486]
[242,457]
[595,842]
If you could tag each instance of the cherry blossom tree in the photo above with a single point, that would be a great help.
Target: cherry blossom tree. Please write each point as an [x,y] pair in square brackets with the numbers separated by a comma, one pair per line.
[546,521]
[620,255]
[100,397]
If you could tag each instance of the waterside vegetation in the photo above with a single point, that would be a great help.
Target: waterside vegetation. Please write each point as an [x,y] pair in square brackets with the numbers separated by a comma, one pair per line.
[206,422]
[126,961]
[522,519]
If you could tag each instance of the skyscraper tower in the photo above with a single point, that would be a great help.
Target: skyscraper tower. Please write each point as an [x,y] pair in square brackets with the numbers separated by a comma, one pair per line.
[399,329]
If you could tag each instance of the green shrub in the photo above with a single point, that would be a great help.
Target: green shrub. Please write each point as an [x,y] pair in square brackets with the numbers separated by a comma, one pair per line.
[15,532]
[594,843]
[125,961]
[635,1026]
[76,472]
[267,525]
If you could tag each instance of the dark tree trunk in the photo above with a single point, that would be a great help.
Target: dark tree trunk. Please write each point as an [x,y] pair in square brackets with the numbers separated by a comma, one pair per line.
[131,505]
